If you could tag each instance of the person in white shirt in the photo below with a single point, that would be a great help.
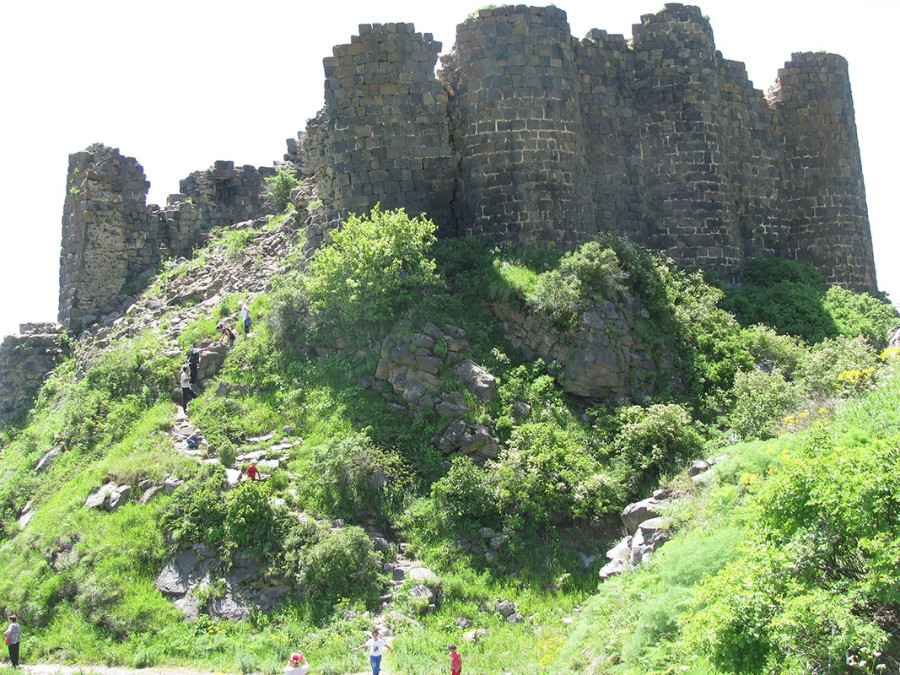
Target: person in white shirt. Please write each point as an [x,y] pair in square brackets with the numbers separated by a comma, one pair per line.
[376,648]
[297,665]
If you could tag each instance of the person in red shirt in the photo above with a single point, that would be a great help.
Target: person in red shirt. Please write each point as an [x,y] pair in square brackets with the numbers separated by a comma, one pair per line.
[253,472]
[455,661]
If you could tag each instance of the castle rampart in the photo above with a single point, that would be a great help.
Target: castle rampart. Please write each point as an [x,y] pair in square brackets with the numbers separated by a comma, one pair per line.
[555,139]
[527,136]
[111,236]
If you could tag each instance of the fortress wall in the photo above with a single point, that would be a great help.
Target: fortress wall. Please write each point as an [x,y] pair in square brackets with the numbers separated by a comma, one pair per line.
[518,131]
[605,75]
[529,136]
[111,237]
[824,195]
[106,235]
[752,131]
[384,136]
[25,360]
[217,197]
[678,105]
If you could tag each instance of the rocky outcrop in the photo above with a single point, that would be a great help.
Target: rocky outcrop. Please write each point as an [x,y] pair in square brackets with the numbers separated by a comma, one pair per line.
[414,364]
[197,581]
[602,357]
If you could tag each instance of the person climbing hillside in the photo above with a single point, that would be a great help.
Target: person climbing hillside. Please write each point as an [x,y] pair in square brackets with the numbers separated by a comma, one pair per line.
[228,335]
[187,391]
[253,472]
[376,648]
[196,439]
[194,361]
[455,661]
[246,319]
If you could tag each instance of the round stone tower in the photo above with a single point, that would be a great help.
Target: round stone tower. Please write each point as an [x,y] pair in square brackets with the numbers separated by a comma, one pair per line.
[827,220]
[677,94]
[516,128]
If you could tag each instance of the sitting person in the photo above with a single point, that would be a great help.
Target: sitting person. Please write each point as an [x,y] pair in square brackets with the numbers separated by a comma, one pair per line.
[195,440]
[297,665]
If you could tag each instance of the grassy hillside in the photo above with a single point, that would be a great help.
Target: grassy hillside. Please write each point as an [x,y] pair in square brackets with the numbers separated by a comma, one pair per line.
[795,536]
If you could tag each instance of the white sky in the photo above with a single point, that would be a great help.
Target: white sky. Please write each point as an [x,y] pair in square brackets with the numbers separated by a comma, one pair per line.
[179,84]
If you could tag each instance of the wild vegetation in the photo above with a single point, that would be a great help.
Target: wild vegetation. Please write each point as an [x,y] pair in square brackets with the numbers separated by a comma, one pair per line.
[785,555]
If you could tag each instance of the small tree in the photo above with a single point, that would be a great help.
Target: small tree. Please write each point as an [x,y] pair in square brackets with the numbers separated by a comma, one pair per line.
[278,188]
[372,270]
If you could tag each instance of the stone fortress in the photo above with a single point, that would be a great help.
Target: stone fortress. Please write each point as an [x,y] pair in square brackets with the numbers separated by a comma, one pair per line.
[526,135]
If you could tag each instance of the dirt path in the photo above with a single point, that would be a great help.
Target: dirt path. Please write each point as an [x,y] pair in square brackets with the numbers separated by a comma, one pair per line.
[51,669]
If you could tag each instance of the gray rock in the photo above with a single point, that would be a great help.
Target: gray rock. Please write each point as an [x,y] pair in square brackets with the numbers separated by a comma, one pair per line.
[477,379]
[46,461]
[698,466]
[637,512]
[118,497]
[614,567]
[98,499]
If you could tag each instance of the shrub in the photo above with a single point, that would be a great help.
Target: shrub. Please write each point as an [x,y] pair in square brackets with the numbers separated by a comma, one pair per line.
[785,295]
[374,267]
[765,345]
[196,512]
[278,188]
[586,276]
[760,399]
[549,475]
[465,499]
[251,524]
[821,370]
[858,314]
[656,441]
[345,477]
[340,565]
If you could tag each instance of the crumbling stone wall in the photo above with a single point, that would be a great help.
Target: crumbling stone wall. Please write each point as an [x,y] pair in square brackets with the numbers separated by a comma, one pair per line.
[216,197]
[111,237]
[555,139]
[106,235]
[25,360]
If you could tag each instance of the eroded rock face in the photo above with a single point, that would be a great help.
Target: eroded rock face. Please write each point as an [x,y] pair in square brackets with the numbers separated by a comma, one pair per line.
[197,581]
[601,358]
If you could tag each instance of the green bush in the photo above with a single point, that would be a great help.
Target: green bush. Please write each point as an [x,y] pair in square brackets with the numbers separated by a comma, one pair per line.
[197,511]
[587,276]
[341,565]
[549,475]
[858,314]
[821,369]
[656,441]
[372,270]
[251,524]
[760,400]
[464,500]
[764,344]
[278,188]
[346,477]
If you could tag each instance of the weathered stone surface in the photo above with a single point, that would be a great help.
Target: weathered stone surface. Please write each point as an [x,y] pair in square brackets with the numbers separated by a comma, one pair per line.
[548,138]
[477,379]
[100,497]
[601,358]
[650,535]
[25,360]
[637,512]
